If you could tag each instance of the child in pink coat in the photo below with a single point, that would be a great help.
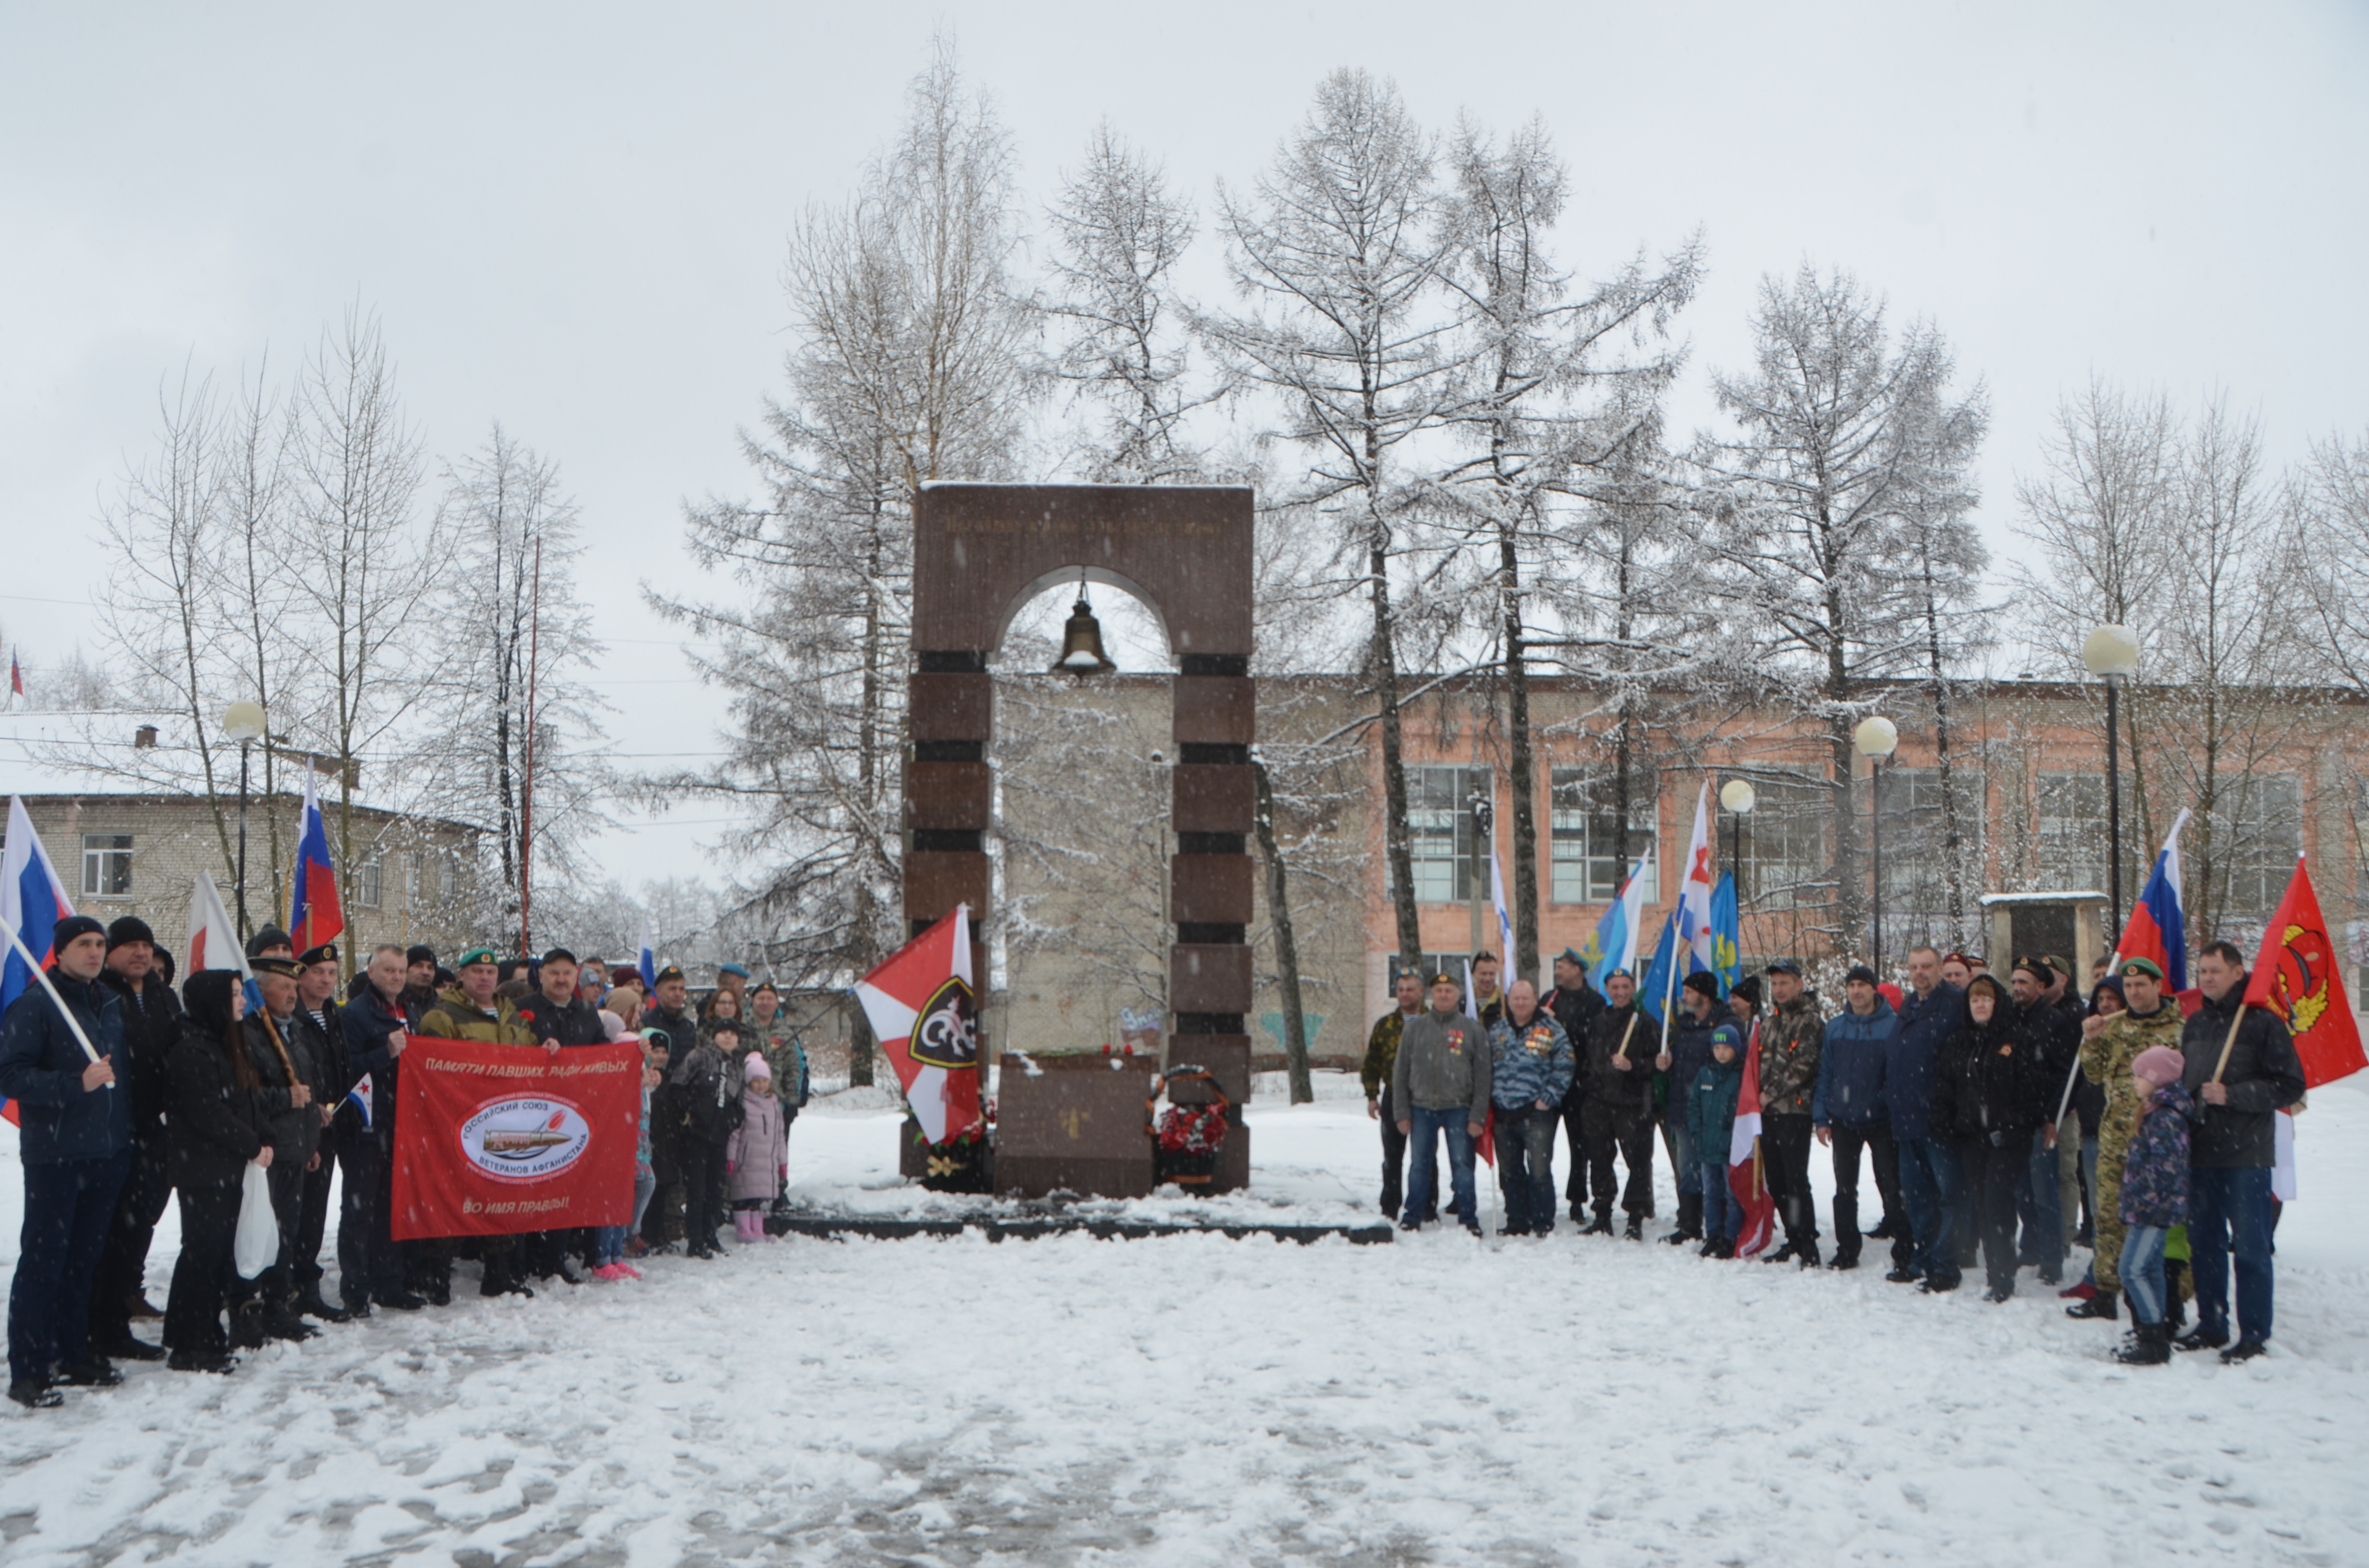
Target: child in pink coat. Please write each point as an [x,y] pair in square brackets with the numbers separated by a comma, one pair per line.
[756,1158]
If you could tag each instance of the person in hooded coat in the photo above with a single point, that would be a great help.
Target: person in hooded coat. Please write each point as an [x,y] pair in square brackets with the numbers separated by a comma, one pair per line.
[1991,1089]
[217,1128]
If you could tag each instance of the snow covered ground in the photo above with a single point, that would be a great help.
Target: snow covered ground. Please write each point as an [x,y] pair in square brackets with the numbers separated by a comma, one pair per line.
[1196,1401]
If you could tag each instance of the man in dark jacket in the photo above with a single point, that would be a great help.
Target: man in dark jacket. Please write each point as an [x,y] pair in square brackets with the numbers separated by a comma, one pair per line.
[369,1262]
[1683,1058]
[560,1018]
[1439,1084]
[152,1021]
[316,1022]
[74,1143]
[419,987]
[2242,1069]
[2057,1034]
[290,1099]
[1575,1005]
[1848,1112]
[1929,1173]
[1790,1047]
[1618,1066]
[1381,1056]
[668,1014]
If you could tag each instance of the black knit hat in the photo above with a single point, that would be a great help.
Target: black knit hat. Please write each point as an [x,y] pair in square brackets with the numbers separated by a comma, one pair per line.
[69,928]
[418,953]
[1748,987]
[1704,982]
[1860,972]
[129,929]
[271,936]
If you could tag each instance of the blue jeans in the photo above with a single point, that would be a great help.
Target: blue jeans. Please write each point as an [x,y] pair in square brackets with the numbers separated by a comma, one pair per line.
[2039,1205]
[69,1204]
[1688,1165]
[2229,1213]
[2142,1271]
[1526,1137]
[1929,1185]
[1424,1173]
[1722,1215]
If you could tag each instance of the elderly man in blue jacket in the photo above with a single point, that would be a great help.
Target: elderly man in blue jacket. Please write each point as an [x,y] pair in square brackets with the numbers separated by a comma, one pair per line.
[1847,1111]
[1929,1173]
[1531,1067]
[76,1145]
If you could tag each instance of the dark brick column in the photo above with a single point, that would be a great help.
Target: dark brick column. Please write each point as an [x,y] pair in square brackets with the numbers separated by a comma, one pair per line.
[949,794]
[1209,979]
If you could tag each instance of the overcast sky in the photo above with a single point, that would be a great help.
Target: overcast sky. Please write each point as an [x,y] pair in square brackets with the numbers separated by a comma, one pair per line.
[572,217]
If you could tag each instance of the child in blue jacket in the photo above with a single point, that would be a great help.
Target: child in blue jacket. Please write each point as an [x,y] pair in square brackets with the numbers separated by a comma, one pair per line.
[1711,1121]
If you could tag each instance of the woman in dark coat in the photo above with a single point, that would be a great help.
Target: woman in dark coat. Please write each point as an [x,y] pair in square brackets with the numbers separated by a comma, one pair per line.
[1990,1098]
[217,1129]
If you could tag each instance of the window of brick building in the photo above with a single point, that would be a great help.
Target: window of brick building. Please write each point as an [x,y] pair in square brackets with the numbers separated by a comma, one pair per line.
[368,883]
[1583,848]
[106,866]
[1783,843]
[1439,832]
[2263,834]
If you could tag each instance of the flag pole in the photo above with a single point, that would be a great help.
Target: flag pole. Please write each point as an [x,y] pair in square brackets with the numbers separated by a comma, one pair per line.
[43,976]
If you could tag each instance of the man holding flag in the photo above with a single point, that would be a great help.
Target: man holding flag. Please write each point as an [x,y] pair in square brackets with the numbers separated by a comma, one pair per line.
[61,1051]
[370,1264]
[2243,1067]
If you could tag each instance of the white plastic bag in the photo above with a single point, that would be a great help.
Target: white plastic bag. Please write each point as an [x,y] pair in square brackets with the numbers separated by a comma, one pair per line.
[258,1247]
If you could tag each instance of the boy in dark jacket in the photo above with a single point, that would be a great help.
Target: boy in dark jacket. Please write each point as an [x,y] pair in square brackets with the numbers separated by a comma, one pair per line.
[1710,1125]
[2154,1199]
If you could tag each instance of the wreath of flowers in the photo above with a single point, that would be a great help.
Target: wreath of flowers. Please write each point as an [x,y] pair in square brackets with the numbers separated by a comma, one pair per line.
[1193,1129]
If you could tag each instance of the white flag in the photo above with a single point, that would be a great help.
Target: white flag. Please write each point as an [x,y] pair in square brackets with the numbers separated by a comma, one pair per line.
[213,941]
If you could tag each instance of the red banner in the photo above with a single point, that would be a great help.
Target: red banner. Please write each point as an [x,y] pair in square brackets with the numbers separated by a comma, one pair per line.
[494,1140]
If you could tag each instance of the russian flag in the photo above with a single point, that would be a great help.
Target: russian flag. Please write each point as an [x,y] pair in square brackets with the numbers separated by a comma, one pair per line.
[646,960]
[32,901]
[2159,926]
[315,912]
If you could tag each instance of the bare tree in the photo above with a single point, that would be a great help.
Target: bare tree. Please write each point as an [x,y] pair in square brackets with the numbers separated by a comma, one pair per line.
[1841,433]
[1120,233]
[1547,406]
[367,573]
[517,619]
[907,368]
[1337,252]
[254,592]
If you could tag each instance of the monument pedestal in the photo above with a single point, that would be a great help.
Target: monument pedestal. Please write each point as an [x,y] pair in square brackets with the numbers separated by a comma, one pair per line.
[1075,1122]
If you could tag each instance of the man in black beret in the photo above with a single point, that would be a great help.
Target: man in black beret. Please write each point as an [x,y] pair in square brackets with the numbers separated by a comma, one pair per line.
[152,1021]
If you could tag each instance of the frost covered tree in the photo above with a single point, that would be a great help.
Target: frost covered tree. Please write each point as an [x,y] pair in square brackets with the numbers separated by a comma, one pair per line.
[1825,511]
[1119,233]
[1336,254]
[1556,393]
[521,640]
[367,570]
[908,366]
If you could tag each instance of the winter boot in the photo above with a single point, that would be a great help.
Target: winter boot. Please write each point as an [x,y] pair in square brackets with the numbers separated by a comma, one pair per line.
[2201,1338]
[246,1326]
[1724,1247]
[2174,1311]
[1690,1206]
[2150,1346]
[1635,1229]
[1807,1254]
[2101,1305]
[1600,1226]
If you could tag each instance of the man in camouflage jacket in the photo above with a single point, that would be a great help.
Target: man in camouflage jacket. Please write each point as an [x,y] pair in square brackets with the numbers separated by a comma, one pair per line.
[1790,1043]
[2108,1045]
[1381,1056]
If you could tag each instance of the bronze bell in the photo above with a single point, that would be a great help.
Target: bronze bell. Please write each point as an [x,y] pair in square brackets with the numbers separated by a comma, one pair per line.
[1081,644]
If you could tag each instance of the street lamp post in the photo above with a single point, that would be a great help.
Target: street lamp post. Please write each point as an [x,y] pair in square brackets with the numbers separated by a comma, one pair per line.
[2113,653]
[1875,739]
[243,721]
[1737,795]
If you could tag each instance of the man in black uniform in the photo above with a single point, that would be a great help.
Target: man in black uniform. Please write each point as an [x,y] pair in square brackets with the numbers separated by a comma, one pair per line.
[1575,1005]
[1621,1045]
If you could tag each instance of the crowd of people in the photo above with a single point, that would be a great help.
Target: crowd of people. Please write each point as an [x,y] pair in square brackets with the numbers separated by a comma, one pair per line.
[296,1072]
[2004,1122]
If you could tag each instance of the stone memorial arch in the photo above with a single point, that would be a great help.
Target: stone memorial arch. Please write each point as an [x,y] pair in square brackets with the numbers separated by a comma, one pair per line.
[982,552]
